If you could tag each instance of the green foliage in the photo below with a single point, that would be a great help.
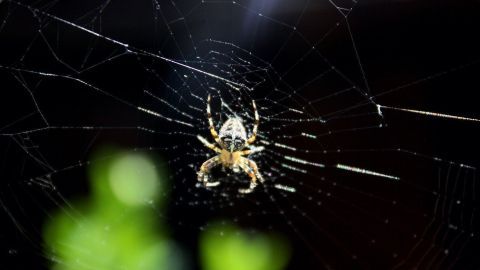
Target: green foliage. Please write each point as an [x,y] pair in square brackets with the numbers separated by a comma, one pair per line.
[117,228]
[227,247]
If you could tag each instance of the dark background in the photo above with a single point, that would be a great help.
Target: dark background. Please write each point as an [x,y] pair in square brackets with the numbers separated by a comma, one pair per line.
[426,51]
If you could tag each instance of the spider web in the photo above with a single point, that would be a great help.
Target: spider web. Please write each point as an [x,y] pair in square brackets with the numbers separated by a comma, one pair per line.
[345,181]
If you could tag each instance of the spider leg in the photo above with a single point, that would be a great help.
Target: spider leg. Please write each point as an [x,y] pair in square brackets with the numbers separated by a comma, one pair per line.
[255,124]
[252,150]
[251,169]
[208,144]
[210,123]
[254,167]
[202,174]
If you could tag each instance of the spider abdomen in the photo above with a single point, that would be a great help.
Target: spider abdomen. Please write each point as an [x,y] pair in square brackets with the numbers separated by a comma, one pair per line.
[233,134]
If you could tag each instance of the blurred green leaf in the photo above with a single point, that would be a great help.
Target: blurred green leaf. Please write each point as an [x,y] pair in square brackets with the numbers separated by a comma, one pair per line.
[115,228]
[227,247]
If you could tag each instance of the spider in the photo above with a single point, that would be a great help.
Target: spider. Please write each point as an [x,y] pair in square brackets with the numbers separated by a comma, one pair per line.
[232,142]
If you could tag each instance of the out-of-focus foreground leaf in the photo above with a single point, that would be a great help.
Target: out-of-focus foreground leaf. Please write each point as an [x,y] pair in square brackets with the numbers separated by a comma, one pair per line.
[116,228]
[227,247]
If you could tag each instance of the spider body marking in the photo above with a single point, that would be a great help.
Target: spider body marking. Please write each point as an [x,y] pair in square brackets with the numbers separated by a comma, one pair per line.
[231,141]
